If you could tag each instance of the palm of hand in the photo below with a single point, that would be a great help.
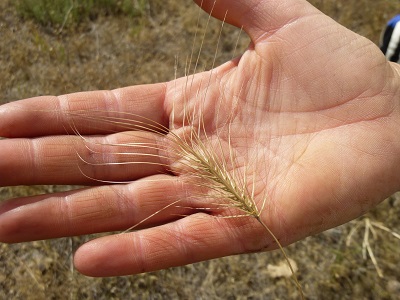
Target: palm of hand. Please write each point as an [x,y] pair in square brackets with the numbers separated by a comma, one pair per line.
[309,137]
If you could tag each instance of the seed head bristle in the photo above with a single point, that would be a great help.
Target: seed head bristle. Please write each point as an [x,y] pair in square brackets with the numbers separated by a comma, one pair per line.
[208,170]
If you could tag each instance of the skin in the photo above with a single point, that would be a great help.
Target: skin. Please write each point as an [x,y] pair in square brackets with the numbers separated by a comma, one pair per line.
[317,103]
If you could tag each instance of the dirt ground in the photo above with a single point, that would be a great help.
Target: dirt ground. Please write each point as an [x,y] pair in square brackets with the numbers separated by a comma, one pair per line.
[113,51]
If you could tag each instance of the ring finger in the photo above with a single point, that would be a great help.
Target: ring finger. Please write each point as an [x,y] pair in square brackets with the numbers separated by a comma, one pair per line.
[147,202]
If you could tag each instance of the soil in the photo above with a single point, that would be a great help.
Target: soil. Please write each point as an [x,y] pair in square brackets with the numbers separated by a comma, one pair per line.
[113,51]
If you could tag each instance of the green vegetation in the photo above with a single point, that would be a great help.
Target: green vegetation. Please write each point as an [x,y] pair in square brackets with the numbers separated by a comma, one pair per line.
[70,13]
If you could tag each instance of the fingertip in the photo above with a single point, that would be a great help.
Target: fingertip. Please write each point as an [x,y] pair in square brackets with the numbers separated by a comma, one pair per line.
[87,259]
[28,117]
[105,257]
[5,128]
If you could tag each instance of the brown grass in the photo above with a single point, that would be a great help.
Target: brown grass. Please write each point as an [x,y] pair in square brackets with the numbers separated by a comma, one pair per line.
[111,52]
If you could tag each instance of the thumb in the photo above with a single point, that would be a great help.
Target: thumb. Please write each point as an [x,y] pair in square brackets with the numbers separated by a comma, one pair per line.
[259,18]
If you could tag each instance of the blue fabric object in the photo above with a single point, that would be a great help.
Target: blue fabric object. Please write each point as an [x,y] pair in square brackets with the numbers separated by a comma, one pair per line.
[394,21]
[390,40]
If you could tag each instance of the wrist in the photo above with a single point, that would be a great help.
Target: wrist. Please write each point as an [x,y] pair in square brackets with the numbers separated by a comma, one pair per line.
[394,120]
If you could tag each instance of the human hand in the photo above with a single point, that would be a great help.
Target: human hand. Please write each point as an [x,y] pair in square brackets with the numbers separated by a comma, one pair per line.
[310,111]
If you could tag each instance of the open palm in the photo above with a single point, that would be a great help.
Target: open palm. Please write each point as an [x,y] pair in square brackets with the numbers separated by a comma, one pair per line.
[309,111]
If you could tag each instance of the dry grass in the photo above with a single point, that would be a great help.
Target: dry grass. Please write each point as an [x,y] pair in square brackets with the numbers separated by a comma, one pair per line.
[98,56]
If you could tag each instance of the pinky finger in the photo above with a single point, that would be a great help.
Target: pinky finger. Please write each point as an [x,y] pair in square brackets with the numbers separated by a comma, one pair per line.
[192,239]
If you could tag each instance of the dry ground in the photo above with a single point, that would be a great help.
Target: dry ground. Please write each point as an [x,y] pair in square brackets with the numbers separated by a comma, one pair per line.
[112,51]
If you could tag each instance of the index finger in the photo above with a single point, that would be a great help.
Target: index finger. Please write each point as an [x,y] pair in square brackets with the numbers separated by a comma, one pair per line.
[51,115]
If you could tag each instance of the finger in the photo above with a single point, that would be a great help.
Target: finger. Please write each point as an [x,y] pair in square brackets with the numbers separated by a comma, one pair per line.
[49,115]
[77,160]
[146,202]
[258,17]
[192,239]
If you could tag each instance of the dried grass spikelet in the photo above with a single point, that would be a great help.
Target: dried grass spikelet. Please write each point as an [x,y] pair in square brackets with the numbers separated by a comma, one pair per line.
[218,174]
[370,226]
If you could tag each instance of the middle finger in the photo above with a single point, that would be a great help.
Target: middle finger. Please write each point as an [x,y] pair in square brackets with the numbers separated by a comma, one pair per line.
[123,156]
